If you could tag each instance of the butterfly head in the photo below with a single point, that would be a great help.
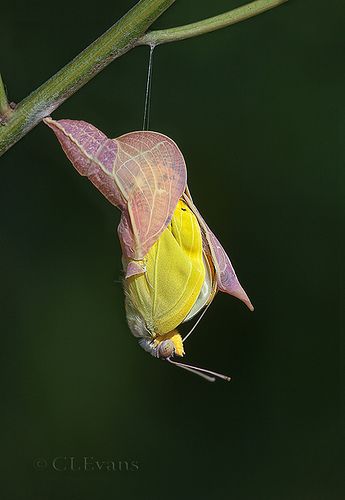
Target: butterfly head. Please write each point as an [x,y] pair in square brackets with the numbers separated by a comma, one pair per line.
[169,345]
[166,349]
[163,346]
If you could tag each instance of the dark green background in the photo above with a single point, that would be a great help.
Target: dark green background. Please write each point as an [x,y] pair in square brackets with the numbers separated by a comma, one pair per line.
[258,110]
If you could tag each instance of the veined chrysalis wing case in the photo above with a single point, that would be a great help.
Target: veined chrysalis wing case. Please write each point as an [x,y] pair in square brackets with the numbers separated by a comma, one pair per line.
[173,263]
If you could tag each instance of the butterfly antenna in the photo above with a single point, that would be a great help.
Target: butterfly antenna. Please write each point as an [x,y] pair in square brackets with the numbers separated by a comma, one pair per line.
[196,324]
[206,374]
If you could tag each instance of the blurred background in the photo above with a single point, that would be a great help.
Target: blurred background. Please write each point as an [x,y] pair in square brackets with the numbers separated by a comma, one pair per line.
[258,110]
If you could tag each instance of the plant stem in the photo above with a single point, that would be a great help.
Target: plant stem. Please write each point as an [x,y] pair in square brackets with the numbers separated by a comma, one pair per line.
[120,38]
[211,24]
[4,106]
[116,41]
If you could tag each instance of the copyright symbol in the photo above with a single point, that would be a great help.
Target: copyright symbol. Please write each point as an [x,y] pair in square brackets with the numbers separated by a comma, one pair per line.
[40,463]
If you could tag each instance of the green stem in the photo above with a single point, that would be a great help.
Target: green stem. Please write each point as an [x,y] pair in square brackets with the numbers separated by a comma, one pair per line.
[113,43]
[207,25]
[124,35]
[4,106]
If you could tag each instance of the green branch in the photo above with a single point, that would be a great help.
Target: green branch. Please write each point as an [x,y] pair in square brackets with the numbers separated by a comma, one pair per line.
[113,43]
[4,106]
[211,24]
[120,38]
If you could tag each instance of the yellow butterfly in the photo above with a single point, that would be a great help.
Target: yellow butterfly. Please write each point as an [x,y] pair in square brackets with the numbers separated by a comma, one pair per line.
[179,281]
[173,263]
[158,300]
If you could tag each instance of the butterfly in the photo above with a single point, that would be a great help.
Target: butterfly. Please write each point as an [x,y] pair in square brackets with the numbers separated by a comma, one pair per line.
[173,263]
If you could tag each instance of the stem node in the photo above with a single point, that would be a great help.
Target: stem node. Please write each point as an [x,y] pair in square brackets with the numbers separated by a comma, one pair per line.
[119,39]
[5,107]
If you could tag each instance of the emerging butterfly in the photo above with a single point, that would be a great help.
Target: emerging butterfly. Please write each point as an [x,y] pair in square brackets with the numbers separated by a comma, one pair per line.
[173,264]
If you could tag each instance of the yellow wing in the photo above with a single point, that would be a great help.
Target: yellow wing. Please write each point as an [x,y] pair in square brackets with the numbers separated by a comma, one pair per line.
[175,272]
